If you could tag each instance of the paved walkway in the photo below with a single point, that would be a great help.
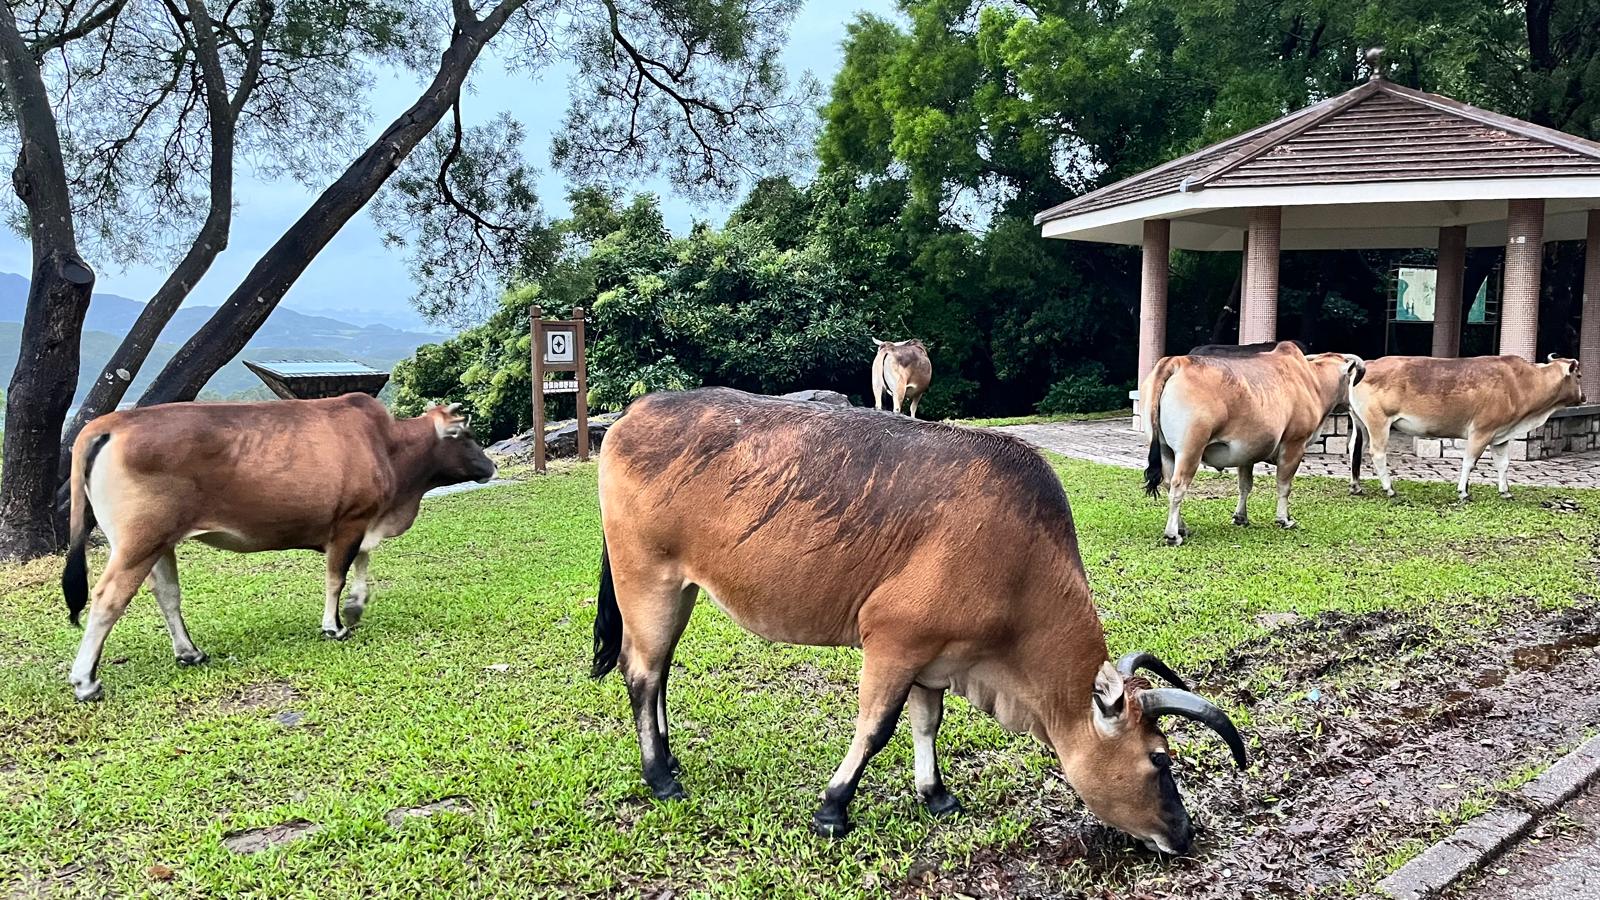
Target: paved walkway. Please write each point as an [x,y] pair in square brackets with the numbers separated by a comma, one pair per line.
[1560,861]
[1111,441]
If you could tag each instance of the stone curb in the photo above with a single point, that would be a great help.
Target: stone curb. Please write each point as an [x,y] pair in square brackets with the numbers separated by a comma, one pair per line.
[1475,844]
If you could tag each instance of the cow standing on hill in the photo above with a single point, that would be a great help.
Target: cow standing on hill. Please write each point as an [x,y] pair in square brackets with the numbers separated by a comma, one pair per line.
[1236,411]
[1486,400]
[903,369]
[337,475]
[947,554]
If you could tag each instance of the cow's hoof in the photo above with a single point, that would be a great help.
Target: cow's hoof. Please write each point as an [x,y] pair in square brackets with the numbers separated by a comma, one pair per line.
[1357,490]
[1388,492]
[1241,521]
[941,803]
[1287,523]
[338,634]
[88,693]
[352,612]
[1505,495]
[192,658]
[829,825]
[1174,540]
[1463,496]
[669,790]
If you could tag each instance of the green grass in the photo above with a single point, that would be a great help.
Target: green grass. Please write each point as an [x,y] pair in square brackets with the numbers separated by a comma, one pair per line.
[405,712]
[1040,419]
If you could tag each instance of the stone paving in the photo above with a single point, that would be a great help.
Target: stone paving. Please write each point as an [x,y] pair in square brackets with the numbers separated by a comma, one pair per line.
[1113,442]
[1560,861]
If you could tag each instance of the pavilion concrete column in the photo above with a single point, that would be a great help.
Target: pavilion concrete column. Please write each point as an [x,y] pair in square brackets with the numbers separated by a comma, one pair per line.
[1589,336]
[1153,294]
[1258,307]
[1519,300]
[1447,311]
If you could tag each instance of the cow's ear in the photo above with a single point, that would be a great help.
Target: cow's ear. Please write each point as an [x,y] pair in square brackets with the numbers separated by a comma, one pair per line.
[1354,368]
[1110,700]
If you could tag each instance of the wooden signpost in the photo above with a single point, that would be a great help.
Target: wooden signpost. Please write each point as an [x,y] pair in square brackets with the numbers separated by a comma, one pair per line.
[557,346]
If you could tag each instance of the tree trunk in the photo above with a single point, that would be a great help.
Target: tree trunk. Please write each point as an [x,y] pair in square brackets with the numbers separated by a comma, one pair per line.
[221,115]
[247,308]
[58,298]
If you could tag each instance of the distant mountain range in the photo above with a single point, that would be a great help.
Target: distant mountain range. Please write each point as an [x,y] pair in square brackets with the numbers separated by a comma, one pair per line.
[286,335]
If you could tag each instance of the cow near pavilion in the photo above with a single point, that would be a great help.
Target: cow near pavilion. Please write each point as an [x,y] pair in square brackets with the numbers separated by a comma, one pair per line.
[901,368]
[1236,411]
[947,554]
[336,475]
[1488,401]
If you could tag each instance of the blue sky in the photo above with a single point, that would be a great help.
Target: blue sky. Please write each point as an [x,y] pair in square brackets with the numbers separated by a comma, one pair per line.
[356,277]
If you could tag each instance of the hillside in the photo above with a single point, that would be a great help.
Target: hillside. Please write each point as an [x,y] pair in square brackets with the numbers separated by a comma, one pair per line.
[286,334]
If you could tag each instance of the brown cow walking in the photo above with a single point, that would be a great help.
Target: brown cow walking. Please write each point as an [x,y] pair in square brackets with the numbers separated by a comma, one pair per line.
[336,475]
[1486,400]
[947,554]
[903,369]
[1236,411]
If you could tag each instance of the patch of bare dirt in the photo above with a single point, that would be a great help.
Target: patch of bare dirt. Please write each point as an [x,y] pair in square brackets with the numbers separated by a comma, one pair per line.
[1370,730]
[460,806]
[255,840]
[260,695]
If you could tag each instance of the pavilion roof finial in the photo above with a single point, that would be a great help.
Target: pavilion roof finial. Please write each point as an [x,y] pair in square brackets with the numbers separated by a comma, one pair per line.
[1375,62]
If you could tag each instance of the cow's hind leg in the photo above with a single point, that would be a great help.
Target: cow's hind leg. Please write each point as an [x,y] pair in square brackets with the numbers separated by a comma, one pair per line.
[164,584]
[1247,481]
[885,684]
[1288,463]
[1469,458]
[1378,440]
[117,585]
[1502,462]
[356,603]
[654,609]
[1184,466]
[927,713]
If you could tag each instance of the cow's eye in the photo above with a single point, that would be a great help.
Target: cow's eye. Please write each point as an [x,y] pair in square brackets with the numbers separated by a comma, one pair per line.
[1160,760]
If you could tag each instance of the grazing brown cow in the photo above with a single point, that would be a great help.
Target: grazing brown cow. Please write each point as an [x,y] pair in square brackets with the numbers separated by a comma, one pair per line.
[903,369]
[946,554]
[1236,411]
[1487,400]
[336,475]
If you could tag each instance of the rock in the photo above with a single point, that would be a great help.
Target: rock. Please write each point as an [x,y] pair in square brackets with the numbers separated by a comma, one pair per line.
[560,439]
[254,840]
[833,397]
[1278,619]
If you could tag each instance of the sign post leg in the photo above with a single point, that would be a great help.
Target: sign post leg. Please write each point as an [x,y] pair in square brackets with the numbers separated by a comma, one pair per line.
[582,396]
[536,345]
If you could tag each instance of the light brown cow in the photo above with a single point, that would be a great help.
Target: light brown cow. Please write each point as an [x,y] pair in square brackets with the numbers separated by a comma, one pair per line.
[336,475]
[947,554]
[1486,400]
[903,369]
[1237,411]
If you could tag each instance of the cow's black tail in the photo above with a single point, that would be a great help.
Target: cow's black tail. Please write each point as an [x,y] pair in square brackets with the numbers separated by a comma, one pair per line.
[75,577]
[607,621]
[1356,440]
[1158,383]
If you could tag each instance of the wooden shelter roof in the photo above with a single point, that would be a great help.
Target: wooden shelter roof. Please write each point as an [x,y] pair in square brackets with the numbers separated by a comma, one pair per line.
[1396,142]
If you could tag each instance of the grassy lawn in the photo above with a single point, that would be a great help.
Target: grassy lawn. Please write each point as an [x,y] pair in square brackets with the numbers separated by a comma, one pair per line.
[134,796]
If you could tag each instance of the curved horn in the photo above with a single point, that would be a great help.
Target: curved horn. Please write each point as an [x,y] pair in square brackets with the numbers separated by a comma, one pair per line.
[1550,358]
[1173,702]
[1131,663]
[452,408]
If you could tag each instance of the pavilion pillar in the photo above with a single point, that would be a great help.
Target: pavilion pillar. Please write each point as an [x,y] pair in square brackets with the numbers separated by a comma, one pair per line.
[1258,306]
[1519,300]
[1153,294]
[1589,336]
[1447,308]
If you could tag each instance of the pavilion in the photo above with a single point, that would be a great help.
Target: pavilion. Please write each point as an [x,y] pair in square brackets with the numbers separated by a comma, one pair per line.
[1381,166]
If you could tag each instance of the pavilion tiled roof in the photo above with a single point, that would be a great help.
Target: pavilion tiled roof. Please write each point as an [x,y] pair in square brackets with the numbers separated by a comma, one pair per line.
[1379,132]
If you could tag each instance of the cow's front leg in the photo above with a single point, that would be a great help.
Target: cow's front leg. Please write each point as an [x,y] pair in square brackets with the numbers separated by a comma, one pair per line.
[885,685]
[1288,464]
[356,604]
[340,556]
